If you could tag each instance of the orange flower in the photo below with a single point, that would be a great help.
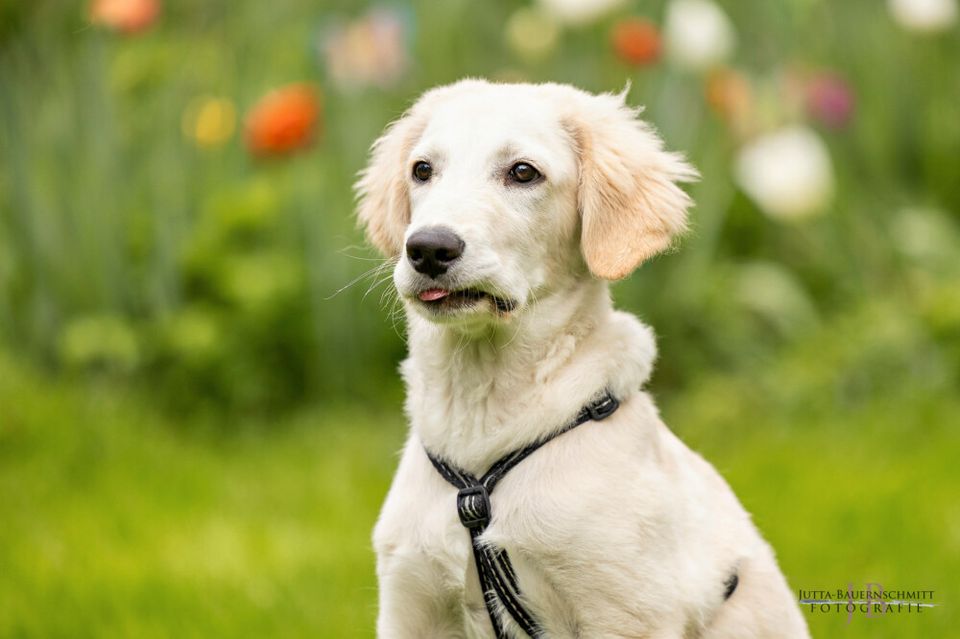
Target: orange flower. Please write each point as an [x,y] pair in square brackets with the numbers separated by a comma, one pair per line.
[730,95]
[283,121]
[126,16]
[636,41]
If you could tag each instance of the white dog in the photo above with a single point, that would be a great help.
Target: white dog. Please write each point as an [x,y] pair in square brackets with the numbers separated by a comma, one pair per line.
[508,207]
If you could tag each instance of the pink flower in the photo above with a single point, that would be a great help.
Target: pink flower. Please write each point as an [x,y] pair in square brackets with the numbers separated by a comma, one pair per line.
[830,100]
[368,51]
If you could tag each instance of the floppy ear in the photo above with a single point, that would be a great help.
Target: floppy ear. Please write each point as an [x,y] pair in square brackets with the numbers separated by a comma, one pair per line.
[630,204]
[383,208]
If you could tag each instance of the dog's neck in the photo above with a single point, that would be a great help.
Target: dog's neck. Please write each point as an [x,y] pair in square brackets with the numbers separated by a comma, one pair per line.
[473,397]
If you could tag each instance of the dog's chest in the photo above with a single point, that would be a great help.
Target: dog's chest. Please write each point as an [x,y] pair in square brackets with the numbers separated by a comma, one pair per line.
[548,515]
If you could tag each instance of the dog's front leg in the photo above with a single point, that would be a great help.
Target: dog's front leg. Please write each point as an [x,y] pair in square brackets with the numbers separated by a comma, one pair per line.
[412,606]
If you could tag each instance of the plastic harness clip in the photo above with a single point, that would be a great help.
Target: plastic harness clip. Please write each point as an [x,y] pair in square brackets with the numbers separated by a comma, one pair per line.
[473,506]
[603,409]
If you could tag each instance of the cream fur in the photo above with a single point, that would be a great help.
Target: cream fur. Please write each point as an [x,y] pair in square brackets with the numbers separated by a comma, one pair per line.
[616,529]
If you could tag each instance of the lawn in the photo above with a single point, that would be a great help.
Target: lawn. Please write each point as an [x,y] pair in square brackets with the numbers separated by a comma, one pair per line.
[120,520]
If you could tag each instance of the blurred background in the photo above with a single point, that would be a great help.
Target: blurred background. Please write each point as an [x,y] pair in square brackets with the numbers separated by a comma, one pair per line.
[199,406]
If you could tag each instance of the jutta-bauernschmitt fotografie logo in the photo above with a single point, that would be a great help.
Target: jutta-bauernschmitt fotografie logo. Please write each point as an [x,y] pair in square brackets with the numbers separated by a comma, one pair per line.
[871,601]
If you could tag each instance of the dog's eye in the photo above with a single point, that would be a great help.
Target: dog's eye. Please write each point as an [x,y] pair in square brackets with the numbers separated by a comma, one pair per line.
[422,171]
[523,173]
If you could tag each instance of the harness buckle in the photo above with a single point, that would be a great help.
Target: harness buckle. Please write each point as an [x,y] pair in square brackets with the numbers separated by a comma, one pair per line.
[473,506]
[604,408]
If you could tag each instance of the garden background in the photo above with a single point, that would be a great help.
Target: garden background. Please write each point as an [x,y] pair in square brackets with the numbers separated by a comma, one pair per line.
[199,409]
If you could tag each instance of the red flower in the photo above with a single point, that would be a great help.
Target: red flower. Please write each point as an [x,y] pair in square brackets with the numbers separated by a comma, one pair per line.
[636,41]
[284,120]
[126,16]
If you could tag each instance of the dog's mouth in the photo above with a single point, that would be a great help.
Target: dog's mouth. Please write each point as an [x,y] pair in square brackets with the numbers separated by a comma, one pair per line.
[441,299]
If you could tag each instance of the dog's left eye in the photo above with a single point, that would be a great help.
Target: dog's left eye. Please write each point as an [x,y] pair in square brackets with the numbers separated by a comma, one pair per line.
[523,173]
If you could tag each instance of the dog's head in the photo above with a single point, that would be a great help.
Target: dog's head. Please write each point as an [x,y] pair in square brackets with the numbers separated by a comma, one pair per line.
[492,196]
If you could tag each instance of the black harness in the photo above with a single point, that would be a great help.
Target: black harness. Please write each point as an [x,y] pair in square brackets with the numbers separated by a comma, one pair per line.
[498,581]
[497,578]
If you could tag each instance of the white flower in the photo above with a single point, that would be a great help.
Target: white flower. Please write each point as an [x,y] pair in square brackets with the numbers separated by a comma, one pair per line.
[924,15]
[579,12]
[787,173]
[698,33]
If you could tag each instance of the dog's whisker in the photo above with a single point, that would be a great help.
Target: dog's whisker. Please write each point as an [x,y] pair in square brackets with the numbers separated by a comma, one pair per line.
[389,294]
[396,314]
[373,272]
[376,284]
[362,258]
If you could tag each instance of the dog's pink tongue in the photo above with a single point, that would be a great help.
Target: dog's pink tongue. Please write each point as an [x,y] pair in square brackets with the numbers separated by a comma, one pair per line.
[433,294]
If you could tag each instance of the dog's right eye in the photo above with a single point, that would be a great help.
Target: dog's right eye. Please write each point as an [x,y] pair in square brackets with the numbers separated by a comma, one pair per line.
[422,171]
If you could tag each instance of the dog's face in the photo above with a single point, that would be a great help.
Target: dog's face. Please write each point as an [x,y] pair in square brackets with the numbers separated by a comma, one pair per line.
[494,196]
[492,208]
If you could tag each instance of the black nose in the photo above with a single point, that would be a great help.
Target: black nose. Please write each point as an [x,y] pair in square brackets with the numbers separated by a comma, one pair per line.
[432,250]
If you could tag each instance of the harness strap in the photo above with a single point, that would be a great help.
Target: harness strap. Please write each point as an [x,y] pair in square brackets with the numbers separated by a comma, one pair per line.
[498,581]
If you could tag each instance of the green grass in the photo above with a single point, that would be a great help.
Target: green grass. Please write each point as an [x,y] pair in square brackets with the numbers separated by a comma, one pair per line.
[847,497]
[117,523]
[120,521]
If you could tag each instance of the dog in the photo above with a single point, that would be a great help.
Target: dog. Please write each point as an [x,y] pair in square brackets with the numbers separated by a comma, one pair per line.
[508,208]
